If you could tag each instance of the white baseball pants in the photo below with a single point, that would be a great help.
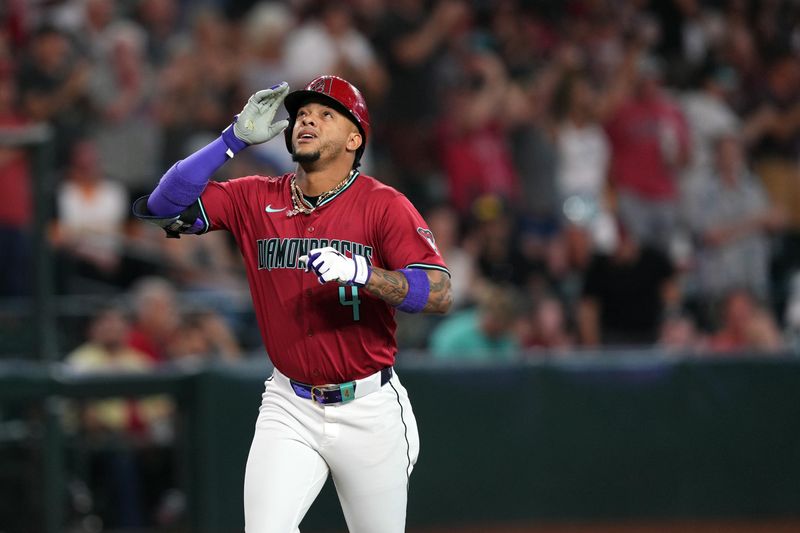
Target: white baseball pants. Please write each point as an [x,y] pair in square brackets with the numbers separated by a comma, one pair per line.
[369,445]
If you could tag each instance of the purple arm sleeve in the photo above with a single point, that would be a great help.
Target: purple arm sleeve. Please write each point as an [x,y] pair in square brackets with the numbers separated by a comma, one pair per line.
[183,184]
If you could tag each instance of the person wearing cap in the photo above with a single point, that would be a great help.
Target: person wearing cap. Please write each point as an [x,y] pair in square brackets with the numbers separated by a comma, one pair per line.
[331,255]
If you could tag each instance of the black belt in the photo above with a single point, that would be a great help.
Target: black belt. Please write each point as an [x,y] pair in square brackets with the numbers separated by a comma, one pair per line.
[338,393]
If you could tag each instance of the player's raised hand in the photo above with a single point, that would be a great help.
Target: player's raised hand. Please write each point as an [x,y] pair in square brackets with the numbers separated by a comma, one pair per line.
[330,265]
[254,124]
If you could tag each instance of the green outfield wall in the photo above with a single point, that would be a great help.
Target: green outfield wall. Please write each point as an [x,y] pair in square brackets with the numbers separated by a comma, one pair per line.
[580,437]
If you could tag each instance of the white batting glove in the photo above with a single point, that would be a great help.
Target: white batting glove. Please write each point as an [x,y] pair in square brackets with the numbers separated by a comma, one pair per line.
[330,265]
[254,124]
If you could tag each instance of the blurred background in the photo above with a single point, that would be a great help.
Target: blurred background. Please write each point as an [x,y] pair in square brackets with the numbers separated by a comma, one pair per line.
[614,184]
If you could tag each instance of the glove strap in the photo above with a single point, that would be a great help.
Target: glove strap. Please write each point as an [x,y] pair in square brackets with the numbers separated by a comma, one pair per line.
[363,271]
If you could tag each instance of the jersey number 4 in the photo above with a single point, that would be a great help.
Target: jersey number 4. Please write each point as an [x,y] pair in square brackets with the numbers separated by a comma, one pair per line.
[353,302]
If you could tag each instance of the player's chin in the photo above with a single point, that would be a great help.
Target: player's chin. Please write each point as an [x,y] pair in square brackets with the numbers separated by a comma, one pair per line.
[304,155]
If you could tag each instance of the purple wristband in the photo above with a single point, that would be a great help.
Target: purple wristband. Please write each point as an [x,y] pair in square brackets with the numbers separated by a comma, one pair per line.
[419,288]
[234,143]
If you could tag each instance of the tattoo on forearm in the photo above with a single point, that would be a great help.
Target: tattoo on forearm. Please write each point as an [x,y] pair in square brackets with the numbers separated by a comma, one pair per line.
[388,285]
[441,297]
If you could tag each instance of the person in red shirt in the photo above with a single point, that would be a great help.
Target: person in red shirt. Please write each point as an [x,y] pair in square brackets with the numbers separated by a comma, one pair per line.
[649,145]
[471,137]
[331,255]
[157,318]
[15,190]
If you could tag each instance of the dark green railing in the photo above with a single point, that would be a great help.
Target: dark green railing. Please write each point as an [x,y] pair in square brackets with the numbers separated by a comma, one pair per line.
[580,437]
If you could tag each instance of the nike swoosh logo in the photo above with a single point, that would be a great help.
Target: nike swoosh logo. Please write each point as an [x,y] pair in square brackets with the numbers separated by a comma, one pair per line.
[270,209]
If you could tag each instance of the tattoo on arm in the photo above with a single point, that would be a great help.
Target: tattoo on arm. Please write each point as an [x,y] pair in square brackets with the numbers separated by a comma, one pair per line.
[392,286]
[388,285]
[441,295]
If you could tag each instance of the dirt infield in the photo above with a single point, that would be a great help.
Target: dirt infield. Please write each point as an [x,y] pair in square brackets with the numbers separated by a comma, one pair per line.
[783,526]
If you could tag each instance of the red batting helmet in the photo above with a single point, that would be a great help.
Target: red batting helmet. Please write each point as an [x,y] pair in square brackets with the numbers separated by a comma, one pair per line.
[340,95]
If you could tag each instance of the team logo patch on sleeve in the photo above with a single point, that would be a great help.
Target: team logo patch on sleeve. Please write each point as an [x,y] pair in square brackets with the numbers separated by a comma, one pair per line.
[428,236]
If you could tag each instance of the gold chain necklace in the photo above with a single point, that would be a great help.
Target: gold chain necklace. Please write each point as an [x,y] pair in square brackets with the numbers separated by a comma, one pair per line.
[299,203]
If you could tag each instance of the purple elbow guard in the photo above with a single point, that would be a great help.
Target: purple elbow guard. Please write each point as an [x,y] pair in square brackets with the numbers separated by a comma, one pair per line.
[188,221]
[419,288]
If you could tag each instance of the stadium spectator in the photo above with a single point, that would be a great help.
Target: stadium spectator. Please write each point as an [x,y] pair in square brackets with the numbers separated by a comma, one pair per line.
[484,333]
[188,111]
[775,155]
[106,352]
[266,28]
[545,329]
[689,31]
[445,225]
[339,49]
[89,230]
[411,41]
[471,134]
[740,50]
[709,115]
[494,238]
[649,147]
[118,427]
[159,20]
[520,39]
[121,91]
[53,82]
[93,36]
[208,266]
[204,337]
[156,318]
[731,218]
[583,160]
[678,333]
[626,293]
[15,190]
[745,325]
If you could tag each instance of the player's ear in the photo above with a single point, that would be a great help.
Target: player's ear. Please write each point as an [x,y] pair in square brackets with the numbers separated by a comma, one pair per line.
[354,141]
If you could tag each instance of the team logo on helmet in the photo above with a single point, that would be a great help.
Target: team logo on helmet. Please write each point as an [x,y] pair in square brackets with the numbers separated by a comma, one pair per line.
[428,236]
[322,85]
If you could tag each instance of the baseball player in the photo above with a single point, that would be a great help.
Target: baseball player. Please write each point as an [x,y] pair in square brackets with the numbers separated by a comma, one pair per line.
[331,254]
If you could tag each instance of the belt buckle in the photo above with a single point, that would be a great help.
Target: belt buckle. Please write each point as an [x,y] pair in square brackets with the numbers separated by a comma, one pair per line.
[346,392]
[318,394]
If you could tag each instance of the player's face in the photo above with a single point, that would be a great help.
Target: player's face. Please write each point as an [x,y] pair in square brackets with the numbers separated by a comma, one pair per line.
[322,133]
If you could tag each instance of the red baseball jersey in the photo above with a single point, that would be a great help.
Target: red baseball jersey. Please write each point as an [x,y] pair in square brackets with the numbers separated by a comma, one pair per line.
[321,333]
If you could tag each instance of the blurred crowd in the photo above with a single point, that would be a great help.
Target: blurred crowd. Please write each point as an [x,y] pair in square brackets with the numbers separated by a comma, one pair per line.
[596,173]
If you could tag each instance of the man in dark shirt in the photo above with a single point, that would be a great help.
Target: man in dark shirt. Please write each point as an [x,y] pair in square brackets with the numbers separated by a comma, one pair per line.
[411,40]
[625,295]
[53,85]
